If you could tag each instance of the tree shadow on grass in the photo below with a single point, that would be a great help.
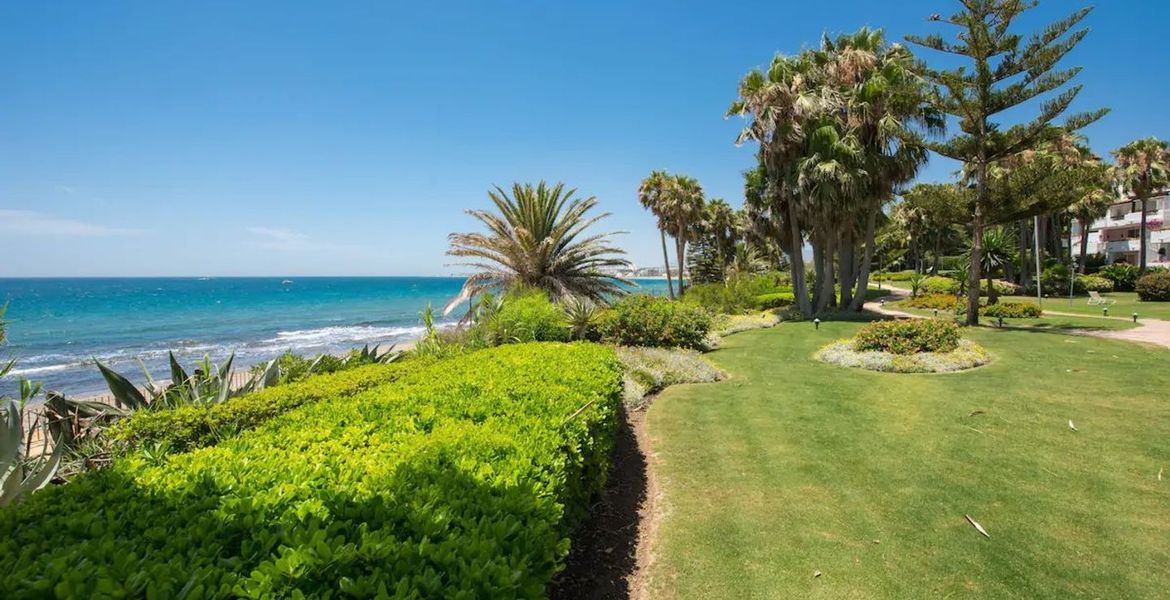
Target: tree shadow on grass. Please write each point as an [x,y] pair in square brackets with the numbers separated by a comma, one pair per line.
[603,558]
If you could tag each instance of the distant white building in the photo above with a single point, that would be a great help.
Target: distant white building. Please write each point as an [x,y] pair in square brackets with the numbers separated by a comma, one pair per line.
[1117,233]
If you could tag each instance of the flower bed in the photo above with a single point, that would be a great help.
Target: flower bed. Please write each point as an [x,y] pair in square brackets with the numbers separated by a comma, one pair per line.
[967,355]
[461,479]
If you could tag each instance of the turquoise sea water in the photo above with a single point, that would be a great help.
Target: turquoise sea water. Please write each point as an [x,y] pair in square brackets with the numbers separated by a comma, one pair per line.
[57,326]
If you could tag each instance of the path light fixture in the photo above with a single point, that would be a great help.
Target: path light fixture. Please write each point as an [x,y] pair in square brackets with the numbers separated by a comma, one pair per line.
[1135,317]
[936,313]
[1001,320]
[1105,311]
[817,323]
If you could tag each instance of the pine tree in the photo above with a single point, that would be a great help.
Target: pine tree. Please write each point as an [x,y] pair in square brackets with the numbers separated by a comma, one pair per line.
[1001,74]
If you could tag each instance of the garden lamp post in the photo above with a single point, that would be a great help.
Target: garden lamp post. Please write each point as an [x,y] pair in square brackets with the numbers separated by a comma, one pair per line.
[1001,321]
[1105,311]
[817,323]
[1135,317]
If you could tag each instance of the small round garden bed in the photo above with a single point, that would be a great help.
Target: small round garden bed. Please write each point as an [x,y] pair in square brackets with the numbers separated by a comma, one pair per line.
[907,346]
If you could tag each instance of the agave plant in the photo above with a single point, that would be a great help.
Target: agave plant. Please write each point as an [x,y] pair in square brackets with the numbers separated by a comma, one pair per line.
[23,471]
[372,356]
[917,280]
[206,384]
[580,313]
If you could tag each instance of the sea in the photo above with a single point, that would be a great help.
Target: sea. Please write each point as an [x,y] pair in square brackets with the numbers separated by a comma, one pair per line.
[57,327]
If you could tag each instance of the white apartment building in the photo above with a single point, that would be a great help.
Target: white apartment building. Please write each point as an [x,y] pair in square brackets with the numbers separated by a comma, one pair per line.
[1117,234]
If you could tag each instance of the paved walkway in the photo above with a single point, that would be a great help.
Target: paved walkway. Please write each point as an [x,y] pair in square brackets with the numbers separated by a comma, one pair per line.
[1148,331]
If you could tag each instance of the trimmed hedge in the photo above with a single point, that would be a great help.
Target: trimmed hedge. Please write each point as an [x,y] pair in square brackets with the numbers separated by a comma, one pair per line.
[775,300]
[940,285]
[653,321]
[931,301]
[1012,310]
[462,480]
[528,316]
[197,425]
[1153,287]
[908,336]
[1093,283]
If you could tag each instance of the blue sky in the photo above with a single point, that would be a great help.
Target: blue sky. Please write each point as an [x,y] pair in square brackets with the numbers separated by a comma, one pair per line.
[246,138]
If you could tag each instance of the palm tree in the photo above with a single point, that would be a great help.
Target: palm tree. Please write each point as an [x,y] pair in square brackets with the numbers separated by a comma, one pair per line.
[999,251]
[538,239]
[1143,168]
[655,193]
[686,212]
[1088,209]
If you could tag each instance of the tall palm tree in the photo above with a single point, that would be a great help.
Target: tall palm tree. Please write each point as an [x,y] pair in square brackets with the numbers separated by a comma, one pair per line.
[1143,168]
[655,193]
[1089,208]
[686,211]
[537,238]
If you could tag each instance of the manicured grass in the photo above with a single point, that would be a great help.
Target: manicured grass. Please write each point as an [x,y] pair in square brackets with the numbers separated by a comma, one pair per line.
[1127,304]
[1055,322]
[792,466]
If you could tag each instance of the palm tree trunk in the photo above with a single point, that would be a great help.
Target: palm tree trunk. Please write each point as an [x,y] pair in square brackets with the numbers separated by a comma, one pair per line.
[866,260]
[992,298]
[796,262]
[666,262]
[680,248]
[845,264]
[1142,253]
[1084,245]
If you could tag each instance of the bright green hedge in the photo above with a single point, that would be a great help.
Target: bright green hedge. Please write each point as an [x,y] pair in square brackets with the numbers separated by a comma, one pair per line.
[653,321]
[461,480]
[1012,310]
[774,300]
[195,426]
[908,336]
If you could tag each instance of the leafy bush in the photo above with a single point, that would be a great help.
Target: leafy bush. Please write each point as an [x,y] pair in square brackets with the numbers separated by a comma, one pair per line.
[1002,288]
[462,480]
[940,285]
[1012,310]
[1124,276]
[931,301]
[1154,287]
[198,425]
[1093,283]
[642,320]
[1055,281]
[895,276]
[908,336]
[527,316]
[774,300]
[738,294]
[725,325]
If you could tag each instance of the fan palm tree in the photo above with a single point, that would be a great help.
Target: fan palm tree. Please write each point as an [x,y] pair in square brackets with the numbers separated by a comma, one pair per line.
[1089,208]
[687,208]
[537,238]
[655,194]
[1143,168]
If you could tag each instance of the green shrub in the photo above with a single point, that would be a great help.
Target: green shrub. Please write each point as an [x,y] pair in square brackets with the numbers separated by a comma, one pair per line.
[1124,276]
[527,316]
[895,276]
[1093,283]
[197,425]
[908,336]
[931,301]
[1055,281]
[642,320]
[1012,310]
[774,300]
[737,295]
[940,285]
[1154,287]
[462,480]
[295,367]
[1002,288]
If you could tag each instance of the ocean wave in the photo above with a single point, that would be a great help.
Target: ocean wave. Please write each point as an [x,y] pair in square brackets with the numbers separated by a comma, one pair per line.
[39,370]
[355,333]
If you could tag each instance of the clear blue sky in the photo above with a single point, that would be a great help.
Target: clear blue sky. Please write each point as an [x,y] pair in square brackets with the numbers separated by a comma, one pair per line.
[242,138]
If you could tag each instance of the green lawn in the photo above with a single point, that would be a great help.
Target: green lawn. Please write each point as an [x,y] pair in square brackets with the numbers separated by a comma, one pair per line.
[1127,304]
[792,466]
[1055,322]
